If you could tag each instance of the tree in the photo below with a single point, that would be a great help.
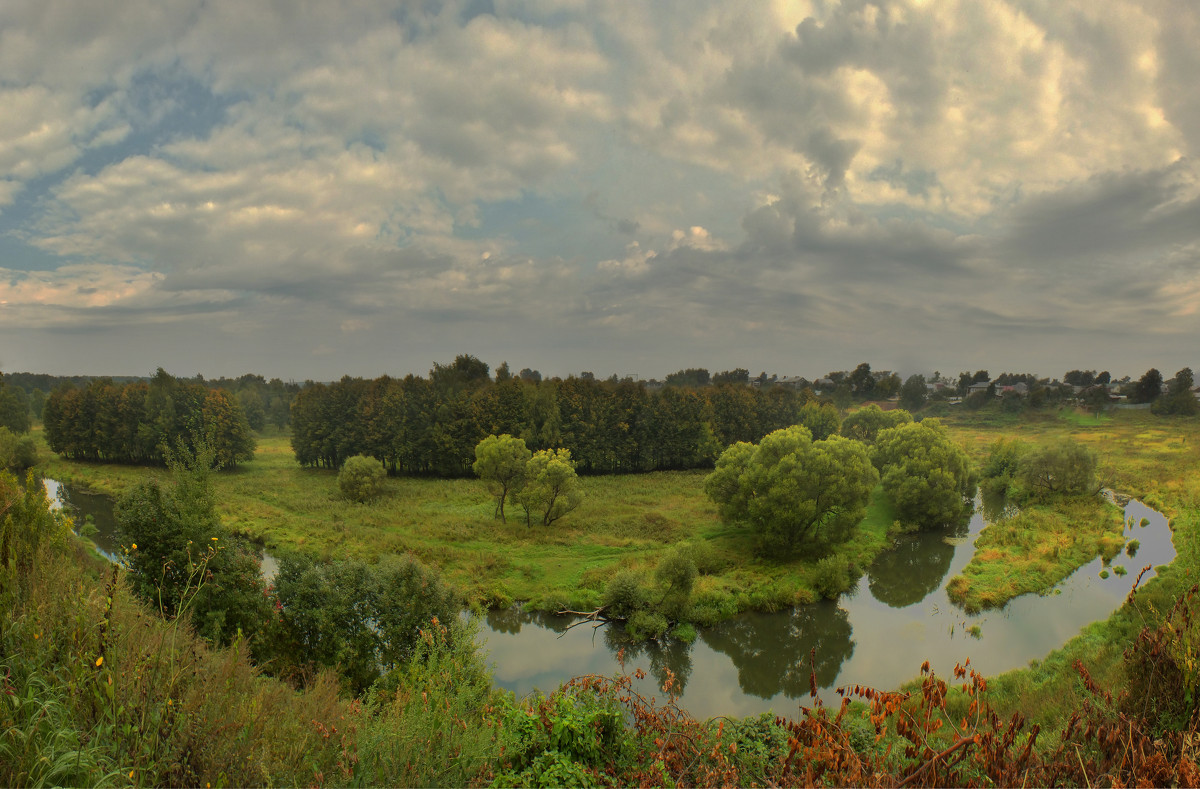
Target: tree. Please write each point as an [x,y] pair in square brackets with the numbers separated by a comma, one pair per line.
[181,557]
[865,423]
[551,488]
[361,479]
[501,462]
[739,376]
[1148,387]
[1179,399]
[357,617]
[928,477]
[14,408]
[821,419]
[793,491]
[862,382]
[914,393]
[17,453]
[1068,468]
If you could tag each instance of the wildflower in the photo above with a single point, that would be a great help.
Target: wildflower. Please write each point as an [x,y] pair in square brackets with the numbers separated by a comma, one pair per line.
[99,661]
[133,547]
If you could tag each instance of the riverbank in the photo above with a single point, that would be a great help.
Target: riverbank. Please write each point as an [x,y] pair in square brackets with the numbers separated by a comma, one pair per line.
[1153,459]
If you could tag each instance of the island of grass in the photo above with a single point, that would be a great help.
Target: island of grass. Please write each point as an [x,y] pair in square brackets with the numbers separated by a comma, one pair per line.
[1033,550]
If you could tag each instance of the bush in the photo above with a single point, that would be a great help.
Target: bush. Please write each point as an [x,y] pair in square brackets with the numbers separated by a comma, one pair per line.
[361,479]
[625,594]
[643,625]
[17,453]
[705,557]
[834,576]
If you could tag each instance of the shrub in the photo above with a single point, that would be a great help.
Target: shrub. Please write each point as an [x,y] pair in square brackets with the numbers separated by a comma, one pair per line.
[17,453]
[361,479]
[833,576]
[644,625]
[625,594]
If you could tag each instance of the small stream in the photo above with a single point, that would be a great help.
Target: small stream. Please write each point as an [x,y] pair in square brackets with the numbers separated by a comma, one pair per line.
[878,634]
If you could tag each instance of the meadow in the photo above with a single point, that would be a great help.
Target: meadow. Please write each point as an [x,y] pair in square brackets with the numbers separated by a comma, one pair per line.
[625,522]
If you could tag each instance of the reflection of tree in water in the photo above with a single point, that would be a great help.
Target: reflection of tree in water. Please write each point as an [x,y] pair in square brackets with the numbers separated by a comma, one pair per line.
[672,654]
[510,620]
[997,508]
[771,651]
[915,567]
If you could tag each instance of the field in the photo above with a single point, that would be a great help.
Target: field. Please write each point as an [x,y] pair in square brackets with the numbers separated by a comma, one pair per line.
[626,521]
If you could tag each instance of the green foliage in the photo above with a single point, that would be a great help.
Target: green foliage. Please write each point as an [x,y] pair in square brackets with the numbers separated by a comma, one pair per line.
[432,721]
[361,479]
[914,393]
[1067,468]
[865,423]
[793,491]
[834,575]
[14,408]
[625,594]
[928,478]
[17,453]
[359,617]
[566,740]
[138,422]
[646,625]
[1003,465]
[502,463]
[552,488]
[675,575]
[181,557]
[821,419]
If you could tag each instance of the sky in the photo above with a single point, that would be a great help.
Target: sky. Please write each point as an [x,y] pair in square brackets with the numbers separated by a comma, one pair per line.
[308,189]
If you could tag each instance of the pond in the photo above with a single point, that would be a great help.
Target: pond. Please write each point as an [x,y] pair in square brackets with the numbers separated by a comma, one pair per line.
[878,634]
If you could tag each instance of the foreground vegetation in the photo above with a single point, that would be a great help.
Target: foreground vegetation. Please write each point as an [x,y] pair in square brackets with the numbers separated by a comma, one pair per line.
[99,689]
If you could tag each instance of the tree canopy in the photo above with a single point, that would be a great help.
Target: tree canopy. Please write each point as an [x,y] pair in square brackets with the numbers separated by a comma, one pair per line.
[501,461]
[551,488]
[929,478]
[792,491]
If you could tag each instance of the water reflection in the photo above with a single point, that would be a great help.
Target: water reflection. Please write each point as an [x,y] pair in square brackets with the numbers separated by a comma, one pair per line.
[914,568]
[772,651]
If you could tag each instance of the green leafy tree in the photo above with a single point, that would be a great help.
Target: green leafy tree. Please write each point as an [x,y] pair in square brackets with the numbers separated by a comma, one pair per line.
[914,393]
[1148,387]
[793,491]
[14,408]
[1062,468]
[361,479]
[362,619]
[927,476]
[1179,399]
[17,453]
[552,488]
[501,462]
[821,419]
[180,556]
[865,423]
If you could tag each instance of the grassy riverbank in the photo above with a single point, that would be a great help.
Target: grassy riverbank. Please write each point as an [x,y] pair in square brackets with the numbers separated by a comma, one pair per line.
[1046,542]
[1152,458]
[626,522]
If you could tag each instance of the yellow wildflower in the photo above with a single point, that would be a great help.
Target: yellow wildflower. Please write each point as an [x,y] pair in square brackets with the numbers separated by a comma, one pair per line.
[99,661]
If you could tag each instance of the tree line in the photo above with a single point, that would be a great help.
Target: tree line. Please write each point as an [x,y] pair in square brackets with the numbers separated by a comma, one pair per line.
[431,425]
[138,422]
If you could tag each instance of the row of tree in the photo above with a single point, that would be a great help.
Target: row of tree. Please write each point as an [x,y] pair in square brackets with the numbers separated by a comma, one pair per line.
[432,425]
[137,422]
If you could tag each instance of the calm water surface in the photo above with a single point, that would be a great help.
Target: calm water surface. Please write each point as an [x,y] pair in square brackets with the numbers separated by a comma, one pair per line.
[877,635]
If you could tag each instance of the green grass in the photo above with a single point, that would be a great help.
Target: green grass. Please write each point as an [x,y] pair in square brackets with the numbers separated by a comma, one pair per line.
[625,521]
[1032,551]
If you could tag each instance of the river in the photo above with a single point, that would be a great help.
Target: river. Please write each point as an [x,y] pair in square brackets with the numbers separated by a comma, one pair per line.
[878,634]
